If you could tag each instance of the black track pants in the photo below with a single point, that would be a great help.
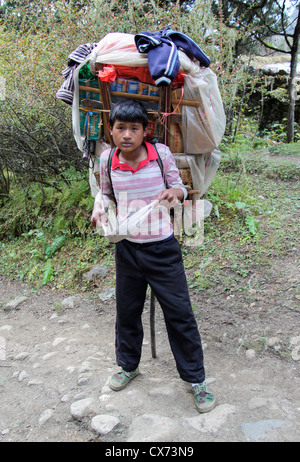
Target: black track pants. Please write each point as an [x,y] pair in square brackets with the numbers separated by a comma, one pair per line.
[160,265]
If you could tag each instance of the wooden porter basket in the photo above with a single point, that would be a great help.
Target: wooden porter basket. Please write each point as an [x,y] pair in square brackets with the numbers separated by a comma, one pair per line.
[169,105]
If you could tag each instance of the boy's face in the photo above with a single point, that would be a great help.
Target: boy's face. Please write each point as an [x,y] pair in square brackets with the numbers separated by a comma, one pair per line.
[128,136]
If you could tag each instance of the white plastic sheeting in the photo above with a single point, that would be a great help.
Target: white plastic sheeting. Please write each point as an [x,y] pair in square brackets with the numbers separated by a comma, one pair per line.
[202,127]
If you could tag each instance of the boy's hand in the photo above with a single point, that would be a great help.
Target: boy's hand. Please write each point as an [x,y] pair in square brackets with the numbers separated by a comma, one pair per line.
[171,196]
[98,216]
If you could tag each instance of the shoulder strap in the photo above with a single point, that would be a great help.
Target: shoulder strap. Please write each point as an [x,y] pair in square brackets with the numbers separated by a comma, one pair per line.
[109,162]
[159,161]
[161,165]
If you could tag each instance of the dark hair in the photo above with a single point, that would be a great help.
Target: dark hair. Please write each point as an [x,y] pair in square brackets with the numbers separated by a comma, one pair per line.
[129,110]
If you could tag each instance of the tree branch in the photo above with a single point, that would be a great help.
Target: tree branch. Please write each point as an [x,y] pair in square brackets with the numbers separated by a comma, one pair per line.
[271,47]
[282,23]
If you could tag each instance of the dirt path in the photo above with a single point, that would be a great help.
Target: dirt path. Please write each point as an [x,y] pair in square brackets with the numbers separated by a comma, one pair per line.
[55,361]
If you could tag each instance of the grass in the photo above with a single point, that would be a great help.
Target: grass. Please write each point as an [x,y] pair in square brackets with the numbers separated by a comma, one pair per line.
[254,218]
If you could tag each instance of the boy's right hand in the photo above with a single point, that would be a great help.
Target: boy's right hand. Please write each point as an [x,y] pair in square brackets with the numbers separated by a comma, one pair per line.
[98,216]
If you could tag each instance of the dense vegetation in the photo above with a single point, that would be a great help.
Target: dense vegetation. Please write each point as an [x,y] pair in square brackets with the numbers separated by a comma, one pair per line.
[45,200]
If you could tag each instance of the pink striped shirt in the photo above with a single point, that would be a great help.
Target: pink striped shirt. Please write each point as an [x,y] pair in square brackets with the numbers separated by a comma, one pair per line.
[135,189]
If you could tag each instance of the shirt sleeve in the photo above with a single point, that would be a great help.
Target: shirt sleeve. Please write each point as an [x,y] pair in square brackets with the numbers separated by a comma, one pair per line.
[105,196]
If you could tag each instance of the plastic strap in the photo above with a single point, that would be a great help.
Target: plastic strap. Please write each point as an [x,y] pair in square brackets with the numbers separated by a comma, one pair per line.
[109,162]
[161,165]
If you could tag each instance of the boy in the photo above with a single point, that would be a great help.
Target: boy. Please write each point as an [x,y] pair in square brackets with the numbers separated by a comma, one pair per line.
[152,256]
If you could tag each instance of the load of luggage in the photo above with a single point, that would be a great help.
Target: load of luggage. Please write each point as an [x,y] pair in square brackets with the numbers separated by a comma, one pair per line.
[170,74]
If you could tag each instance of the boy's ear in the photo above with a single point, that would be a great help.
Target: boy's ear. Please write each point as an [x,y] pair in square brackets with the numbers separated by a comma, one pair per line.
[109,128]
[145,131]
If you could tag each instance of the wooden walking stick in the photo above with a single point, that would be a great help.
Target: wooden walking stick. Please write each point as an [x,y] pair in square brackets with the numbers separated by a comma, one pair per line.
[152,324]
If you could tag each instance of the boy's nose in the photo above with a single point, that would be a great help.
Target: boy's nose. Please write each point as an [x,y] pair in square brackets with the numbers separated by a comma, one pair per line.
[127,134]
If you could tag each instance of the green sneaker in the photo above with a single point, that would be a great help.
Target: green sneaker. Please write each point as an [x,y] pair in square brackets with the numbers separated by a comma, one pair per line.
[121,379]
[204,400]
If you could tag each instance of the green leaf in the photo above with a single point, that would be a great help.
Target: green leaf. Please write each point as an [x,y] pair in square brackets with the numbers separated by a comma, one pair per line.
[50,250]
[251,224]
[49,272]
[240,205]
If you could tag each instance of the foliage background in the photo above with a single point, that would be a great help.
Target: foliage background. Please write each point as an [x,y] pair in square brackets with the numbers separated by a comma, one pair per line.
[36,138]
[45,200]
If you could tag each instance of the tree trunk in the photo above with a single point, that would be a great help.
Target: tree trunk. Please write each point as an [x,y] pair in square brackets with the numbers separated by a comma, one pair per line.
[292,91]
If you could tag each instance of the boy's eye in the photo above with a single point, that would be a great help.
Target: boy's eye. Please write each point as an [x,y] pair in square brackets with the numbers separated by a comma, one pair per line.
[121,127]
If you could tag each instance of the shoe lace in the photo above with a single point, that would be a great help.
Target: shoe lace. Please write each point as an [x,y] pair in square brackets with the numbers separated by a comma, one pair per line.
[200,388]
[127,374]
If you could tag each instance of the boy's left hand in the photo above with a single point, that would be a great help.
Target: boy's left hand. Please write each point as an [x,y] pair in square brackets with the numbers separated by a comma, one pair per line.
[171,196]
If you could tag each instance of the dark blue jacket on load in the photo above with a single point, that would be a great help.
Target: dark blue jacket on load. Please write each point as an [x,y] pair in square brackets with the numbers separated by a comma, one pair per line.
[163,60]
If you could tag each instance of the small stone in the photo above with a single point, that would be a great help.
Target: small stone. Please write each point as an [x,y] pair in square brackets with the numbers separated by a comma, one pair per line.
[22,376]
[83,408]
[256,431]
[296,353]
[273,341]
[70,369]
[104,424]
[295,341]
[79,396]
[250,354]
[108,294]
[53,316]
[34,382]
[85,367]
[49,355]
[58,340]
[104,397]
[95,273]
[84,380]
[68,302]
[105,389]
[46,415]
[255,403]
[14,304]
[5,327]
[22,356]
